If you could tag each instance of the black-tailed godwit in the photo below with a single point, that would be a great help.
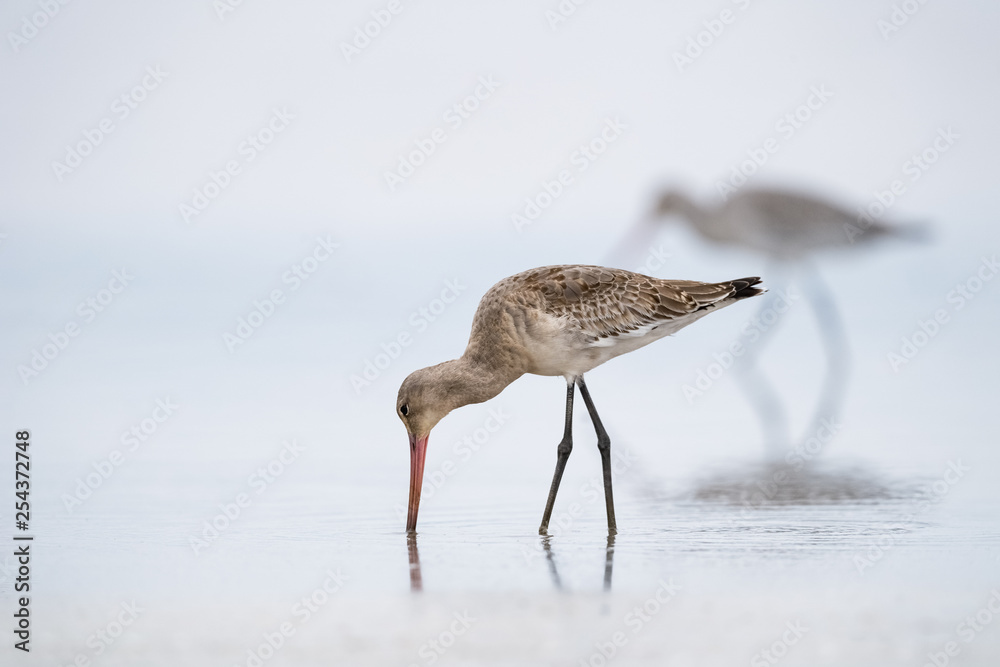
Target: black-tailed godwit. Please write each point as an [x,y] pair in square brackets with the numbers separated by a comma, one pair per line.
[554,320]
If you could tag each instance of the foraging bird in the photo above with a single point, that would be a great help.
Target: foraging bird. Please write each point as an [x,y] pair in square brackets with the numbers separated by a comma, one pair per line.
[788,228]
[554,320]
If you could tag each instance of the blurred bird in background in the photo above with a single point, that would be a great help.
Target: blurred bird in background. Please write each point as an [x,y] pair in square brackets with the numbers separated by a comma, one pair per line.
[789,229]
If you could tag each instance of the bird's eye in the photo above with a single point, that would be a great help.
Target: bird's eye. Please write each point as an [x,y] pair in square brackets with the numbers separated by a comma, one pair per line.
[403,410]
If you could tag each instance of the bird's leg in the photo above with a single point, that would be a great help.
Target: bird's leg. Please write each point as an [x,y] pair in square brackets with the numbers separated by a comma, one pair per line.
[565,447]
[604,446]
[837,353]
[780,284]
[758,389]
[767,404]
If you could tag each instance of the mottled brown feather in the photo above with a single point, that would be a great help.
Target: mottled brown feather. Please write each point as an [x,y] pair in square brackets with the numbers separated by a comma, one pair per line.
[604,302]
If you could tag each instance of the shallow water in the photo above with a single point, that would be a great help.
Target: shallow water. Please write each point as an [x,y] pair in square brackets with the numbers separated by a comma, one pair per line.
[875,554]
[876,567]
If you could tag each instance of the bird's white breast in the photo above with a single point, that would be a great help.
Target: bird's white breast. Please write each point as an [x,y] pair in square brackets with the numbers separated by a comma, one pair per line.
[555,346]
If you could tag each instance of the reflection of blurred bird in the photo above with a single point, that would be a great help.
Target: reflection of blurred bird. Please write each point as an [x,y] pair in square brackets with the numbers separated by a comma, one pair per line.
[785,227]
[554,320]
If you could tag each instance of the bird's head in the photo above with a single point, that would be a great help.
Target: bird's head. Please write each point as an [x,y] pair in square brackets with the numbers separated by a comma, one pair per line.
[422,401]
[425,397]
[673,202]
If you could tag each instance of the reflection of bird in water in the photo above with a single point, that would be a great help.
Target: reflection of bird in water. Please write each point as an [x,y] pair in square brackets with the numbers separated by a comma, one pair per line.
[413,551]
[609,561]
[787,228]
[554,320]
[417,582]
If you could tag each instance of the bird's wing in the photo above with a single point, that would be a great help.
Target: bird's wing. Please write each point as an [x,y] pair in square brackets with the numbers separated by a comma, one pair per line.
[793,208]
[791,218]
[605,303]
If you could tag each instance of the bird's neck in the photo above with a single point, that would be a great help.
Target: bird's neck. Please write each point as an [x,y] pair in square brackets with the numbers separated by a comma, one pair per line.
[470,380]
[687,208]
[489,364]
[706,220]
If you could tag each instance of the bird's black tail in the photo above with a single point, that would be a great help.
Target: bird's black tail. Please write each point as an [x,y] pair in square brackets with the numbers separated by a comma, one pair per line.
[917,232]
[746,287]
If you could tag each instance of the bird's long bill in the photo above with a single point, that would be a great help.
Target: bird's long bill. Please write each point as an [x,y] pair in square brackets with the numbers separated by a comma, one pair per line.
[418,451]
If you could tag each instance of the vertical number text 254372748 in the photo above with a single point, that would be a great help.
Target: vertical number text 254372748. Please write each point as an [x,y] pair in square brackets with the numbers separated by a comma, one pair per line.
[22,541]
